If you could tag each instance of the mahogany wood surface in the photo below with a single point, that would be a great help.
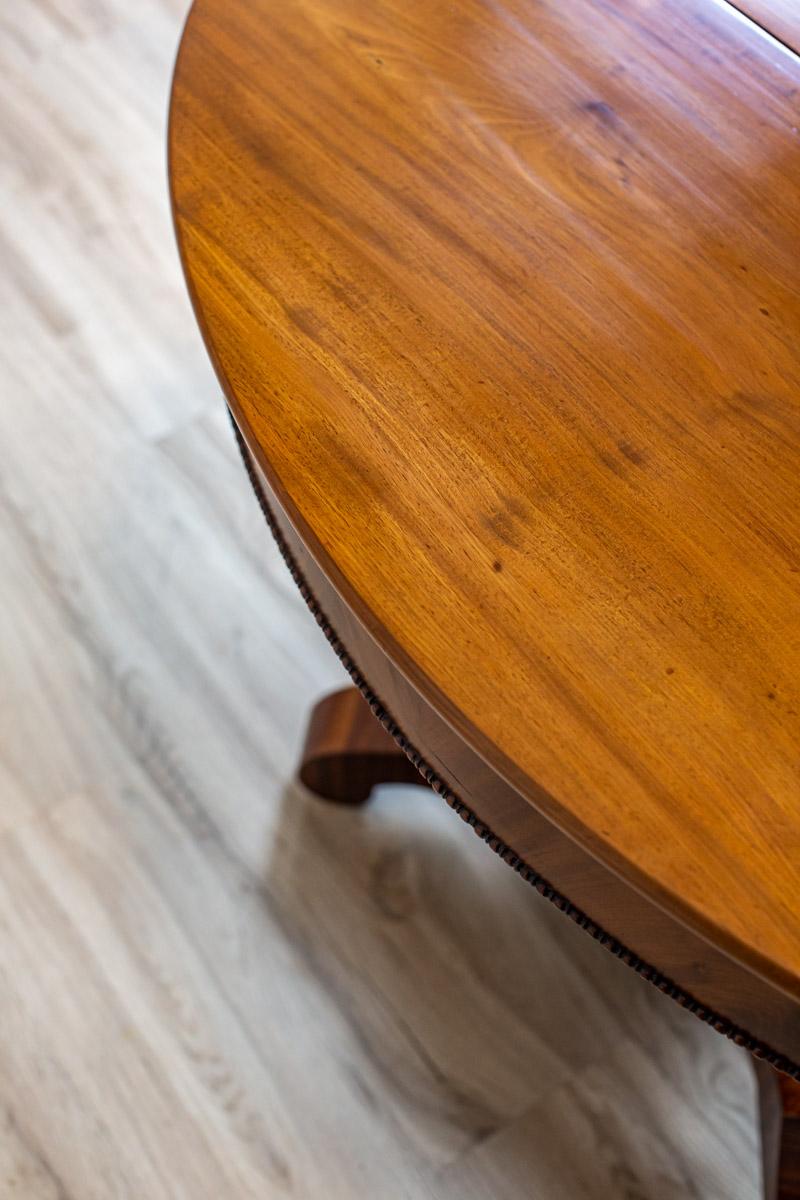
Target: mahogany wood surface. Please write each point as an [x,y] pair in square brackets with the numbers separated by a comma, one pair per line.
[515,829]
[504,299]
[347,752]
[779,18]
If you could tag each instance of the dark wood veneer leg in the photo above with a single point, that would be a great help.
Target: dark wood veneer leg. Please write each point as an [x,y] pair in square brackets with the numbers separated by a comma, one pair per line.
[780,1133]
[347,751]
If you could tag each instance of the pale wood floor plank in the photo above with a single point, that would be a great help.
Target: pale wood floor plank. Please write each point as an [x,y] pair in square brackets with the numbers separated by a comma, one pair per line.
[211,985]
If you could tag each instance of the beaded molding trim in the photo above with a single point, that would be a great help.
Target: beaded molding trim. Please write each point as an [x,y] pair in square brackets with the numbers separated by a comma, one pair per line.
[722,1024]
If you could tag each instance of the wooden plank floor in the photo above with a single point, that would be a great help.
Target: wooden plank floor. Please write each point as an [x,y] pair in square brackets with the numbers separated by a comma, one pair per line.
[211,986]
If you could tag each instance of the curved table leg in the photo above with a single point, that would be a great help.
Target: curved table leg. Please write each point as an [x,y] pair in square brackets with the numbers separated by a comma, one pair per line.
[779,1098]
[347,751]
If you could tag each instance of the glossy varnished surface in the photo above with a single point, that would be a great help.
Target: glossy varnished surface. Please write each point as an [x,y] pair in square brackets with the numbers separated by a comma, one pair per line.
[211,985]
[505,299]
[779,18]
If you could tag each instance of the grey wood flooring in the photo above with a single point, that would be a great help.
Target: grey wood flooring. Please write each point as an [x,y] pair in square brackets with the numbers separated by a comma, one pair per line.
[210,985]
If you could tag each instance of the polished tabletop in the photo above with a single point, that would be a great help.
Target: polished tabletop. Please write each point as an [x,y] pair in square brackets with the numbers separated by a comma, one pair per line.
[504,296]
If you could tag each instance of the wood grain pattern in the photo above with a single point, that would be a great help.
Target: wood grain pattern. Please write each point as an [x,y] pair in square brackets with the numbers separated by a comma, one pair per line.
[778,18]
[347,753]
[721,991]
[210,985]
[504,299]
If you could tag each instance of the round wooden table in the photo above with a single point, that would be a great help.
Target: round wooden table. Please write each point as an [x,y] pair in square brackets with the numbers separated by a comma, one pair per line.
[503,295]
